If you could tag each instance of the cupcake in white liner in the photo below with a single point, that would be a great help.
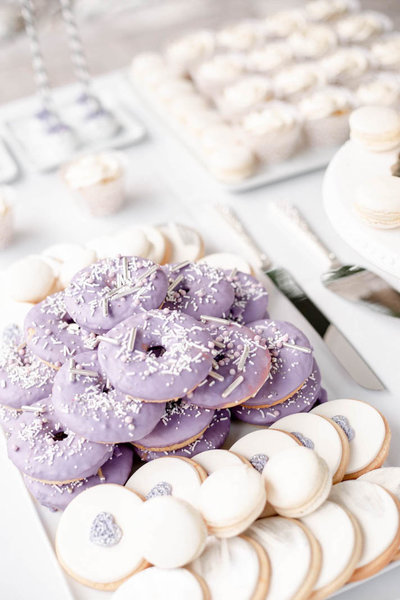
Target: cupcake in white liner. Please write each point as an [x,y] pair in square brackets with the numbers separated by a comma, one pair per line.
[183,106]
[296,80]
[379,89]
[283,23]
[312,42]
[198,121]
[328,10]
[230,163]
[385,51]
[97,181]
[215,74]
[269,58]
[168,91]
[241,36]
[325,115]
[149,69]
[244,95]
[273,131]
[6,217]
[186,52]
[216,136]
[346,65]
[363,27]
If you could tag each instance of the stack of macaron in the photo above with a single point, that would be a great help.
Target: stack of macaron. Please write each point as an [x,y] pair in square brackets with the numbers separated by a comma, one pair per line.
[270,518]
[260,90]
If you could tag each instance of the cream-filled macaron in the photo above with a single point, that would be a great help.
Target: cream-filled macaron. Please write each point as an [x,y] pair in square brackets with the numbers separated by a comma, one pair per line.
[236,568]
[163,584]
[170,532]
[366,429]
[377,201]
[29,279]
[169,475]
[96,542]
[375,128]
[294,555]
[185,243]
[377,513]
[231,499]
[230,163]
[340,539]
[322,435]
[213,460]
[297,481]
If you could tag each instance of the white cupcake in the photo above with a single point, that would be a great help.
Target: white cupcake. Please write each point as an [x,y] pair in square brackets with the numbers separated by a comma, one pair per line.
[215,74]
[183,106]
[6,218]
[296,80]
[198,121]
[346,65]
[215,136]
[168,91]
[149,69]
[269,58]
[185,53]
[242,96]
[97,181]
[326,116]
[379,89]
[241,36]
[284,22]
[360,28]
[313,42]
[385,52]
[328,10]
[273,131]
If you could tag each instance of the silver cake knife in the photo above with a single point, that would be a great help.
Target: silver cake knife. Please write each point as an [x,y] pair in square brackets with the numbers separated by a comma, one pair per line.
[336,341]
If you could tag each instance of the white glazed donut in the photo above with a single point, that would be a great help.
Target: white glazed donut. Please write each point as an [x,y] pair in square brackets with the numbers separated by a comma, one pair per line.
[212,460]
[366,429]
[169,475]
[339,536]
[170,532]
[186,243]
[377,513]
[258,446]
[294,555]
[236,568]
[29,279]
[96,541]
[163,584]
[321,435]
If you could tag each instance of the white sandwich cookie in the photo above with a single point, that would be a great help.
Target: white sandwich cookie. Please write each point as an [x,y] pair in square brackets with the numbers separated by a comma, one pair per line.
[213,460]
[323,436]
[163,584]
[30,279]
[170,532]
[366,429]
[185,243]
[96,542]
[259,446]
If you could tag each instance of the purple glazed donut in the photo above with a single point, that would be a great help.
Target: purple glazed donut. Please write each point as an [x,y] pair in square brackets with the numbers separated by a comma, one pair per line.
[88,407]
[301,401]
[322,397]
[290,367]
[51,334]
[214,437]
[42,448]
[117,469]
[241,366]
[157,356]
[8,416]
[111,290]
[198,289]
[24,378]
[180,425]
[251,298]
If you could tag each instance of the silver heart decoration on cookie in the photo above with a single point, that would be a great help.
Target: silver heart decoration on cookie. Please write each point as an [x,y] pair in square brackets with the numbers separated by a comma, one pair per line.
[104,530]
[259,461]
[344,424]
[303,439]
[162,488]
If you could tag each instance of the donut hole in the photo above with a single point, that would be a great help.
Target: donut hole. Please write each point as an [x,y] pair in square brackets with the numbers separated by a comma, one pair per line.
[156,351]
[59,436]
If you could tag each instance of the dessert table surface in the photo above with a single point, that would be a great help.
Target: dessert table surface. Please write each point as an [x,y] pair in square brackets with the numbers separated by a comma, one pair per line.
[165,183]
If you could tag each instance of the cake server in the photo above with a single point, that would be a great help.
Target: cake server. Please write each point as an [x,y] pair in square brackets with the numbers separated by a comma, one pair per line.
[336,341]
[352,282]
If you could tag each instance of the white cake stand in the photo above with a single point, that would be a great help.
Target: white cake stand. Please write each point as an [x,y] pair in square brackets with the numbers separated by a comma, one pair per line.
[349,167]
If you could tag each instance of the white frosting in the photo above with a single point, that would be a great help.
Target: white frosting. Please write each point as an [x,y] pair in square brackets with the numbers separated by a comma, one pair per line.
[346,63]
[187,104]
[191,48]
[92,169]
[222,69]
[231,494]
[362,26]
[29,279]
[387,477]
[170,532]
[240,36]
[332,527]
[212,460]
[169,90]
[367,423]
[326,102]
[160,584]
[269,57]
[247,92]
[313,42]
[230,567]
[87,560]
[177,472]
[323,10]
[380,90]
[146,61]
[219,135]
[228,261]
[375,511]
[263,441]
[386,52]
[284,22]
[272,118]
[320,432]
[289,553]
[200,120]
[230,163]
[296,79]
[186,243]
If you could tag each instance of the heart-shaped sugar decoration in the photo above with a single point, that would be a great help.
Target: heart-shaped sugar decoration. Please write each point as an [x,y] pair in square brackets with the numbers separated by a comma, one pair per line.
[162,488]
[303,440]
[259,461]
[104,530]
[343,422]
